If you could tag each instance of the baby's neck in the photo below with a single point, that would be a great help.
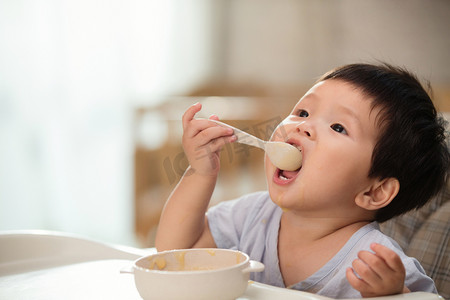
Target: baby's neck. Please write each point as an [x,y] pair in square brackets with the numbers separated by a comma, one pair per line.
[314,228]
[304,247]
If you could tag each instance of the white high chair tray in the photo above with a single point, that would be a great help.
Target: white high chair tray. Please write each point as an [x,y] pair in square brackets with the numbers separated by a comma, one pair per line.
[48,265]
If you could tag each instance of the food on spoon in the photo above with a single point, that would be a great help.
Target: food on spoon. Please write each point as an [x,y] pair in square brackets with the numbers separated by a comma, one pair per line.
[284,156]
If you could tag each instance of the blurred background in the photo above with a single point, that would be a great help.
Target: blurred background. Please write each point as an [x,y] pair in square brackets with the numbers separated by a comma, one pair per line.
[92,93]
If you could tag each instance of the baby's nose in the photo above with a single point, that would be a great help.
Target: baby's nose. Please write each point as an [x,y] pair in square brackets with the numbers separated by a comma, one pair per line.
[305,129]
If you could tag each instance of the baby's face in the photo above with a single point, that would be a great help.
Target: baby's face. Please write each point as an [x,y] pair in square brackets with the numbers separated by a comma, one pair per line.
[334,126]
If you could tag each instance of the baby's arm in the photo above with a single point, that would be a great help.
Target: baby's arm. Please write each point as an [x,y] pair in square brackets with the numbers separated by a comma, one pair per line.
[381,273]
[183,222]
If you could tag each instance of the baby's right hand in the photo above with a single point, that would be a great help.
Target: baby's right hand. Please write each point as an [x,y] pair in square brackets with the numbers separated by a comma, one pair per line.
[203,140]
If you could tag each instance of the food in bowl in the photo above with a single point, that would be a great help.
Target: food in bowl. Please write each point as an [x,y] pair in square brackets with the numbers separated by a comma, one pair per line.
[194,274]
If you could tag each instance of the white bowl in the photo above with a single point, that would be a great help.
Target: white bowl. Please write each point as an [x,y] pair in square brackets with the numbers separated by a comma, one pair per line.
[193,274]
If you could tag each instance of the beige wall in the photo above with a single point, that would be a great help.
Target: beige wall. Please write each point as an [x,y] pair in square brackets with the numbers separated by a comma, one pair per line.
[284,45]
[277,48]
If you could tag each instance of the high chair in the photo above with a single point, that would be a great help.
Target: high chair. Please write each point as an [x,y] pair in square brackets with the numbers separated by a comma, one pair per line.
[49,265]
[424,234]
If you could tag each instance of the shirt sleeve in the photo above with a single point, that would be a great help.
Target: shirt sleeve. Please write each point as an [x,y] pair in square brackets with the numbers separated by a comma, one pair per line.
[228,219]
[416,280]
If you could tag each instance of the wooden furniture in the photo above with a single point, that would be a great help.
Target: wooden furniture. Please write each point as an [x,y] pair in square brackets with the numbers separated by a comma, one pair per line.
[159,160]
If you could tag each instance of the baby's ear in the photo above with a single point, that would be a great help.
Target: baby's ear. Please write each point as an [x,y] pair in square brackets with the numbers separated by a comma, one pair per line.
[379,194]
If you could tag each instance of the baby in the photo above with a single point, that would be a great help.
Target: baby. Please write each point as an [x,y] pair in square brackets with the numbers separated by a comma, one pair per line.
[373,148]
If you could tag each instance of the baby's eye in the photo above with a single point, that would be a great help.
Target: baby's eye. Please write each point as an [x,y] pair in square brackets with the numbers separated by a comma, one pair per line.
[303,113]
[339,128]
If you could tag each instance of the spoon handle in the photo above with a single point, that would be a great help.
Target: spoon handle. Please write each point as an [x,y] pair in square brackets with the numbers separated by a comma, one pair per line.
[244,137]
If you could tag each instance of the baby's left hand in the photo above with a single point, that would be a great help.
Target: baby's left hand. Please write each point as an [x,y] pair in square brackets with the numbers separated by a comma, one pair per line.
[381,273]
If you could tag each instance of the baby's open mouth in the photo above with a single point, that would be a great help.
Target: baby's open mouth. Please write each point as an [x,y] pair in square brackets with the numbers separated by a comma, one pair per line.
[282,176]
[285,177]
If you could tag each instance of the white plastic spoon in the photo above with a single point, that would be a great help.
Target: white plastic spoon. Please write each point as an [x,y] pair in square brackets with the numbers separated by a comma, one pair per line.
[283,155]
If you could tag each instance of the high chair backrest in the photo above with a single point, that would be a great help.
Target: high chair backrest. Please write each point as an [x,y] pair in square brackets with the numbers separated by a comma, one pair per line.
[424,234]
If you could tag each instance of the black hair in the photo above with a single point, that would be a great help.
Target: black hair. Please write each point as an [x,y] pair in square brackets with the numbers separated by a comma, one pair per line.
[412,143]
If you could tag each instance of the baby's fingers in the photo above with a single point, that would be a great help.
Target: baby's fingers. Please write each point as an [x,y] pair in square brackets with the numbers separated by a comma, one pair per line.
[214,136]
[357,283]
[366,270]
[202,132]
[379,273]
[391,258]
[375,263]
[214,117]
[189,114]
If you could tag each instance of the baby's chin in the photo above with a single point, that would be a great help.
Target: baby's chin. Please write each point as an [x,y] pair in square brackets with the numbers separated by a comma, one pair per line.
[278,199]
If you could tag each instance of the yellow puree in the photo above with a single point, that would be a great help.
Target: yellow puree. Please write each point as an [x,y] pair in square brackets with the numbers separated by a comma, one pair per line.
[180,258]
[160,263]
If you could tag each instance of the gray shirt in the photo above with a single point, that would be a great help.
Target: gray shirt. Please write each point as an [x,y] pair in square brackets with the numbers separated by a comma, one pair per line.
[251,223]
